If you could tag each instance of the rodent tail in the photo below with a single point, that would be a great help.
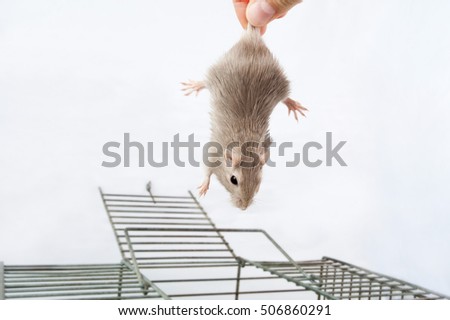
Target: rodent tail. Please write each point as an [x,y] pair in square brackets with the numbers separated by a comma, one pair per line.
[253,31]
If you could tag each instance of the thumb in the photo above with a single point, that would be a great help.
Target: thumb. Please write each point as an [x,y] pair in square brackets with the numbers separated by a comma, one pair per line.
[261,12]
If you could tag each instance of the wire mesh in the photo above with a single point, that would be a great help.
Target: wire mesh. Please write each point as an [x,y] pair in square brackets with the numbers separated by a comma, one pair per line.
[105,281]
[346,281]
[171,249]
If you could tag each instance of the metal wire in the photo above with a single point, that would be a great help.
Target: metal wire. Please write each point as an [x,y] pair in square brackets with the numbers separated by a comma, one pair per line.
[2,285]
[172,249]
[307,281]
[106,281]
[346,281]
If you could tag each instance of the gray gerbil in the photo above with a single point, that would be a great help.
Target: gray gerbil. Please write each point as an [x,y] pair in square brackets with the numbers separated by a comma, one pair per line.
[245,84]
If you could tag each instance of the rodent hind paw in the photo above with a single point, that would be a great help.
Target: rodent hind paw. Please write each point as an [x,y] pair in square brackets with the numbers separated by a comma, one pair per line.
[295,107]
[192,86]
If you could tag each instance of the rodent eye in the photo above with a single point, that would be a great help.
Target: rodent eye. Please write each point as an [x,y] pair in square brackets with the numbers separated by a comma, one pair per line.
[234,180]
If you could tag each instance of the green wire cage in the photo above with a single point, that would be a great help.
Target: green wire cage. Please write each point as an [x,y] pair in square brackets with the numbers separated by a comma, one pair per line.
[171,249]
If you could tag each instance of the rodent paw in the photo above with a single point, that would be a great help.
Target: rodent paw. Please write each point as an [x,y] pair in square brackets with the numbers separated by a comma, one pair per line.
[192,86]
[295,107]
[203,189]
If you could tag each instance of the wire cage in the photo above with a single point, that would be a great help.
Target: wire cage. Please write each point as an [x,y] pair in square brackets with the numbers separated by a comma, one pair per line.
[171,249]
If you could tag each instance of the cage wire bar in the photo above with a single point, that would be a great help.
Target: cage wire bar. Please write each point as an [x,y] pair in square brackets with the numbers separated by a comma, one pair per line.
[171,249]
[2,280]
[105,281]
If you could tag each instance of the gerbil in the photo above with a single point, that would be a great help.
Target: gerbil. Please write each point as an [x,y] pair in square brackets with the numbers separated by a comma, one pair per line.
[245,84]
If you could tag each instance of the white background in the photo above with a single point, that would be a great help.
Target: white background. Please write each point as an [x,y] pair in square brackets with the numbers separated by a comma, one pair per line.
[350,310]
[77,74]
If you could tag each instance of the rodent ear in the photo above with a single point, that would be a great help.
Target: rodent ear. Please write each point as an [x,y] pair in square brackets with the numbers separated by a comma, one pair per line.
[264,154]
[232,157]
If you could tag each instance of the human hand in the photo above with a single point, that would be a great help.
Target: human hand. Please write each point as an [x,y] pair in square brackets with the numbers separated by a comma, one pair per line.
[260,12]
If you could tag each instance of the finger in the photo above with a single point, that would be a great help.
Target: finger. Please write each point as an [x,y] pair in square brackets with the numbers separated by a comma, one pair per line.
[283,6]
[263,30]
[240,6]
[260,13]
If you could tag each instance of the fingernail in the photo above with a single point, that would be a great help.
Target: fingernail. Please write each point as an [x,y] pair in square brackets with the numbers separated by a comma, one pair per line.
[259,13]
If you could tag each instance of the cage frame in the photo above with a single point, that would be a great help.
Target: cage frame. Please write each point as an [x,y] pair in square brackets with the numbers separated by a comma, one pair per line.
[178,221]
